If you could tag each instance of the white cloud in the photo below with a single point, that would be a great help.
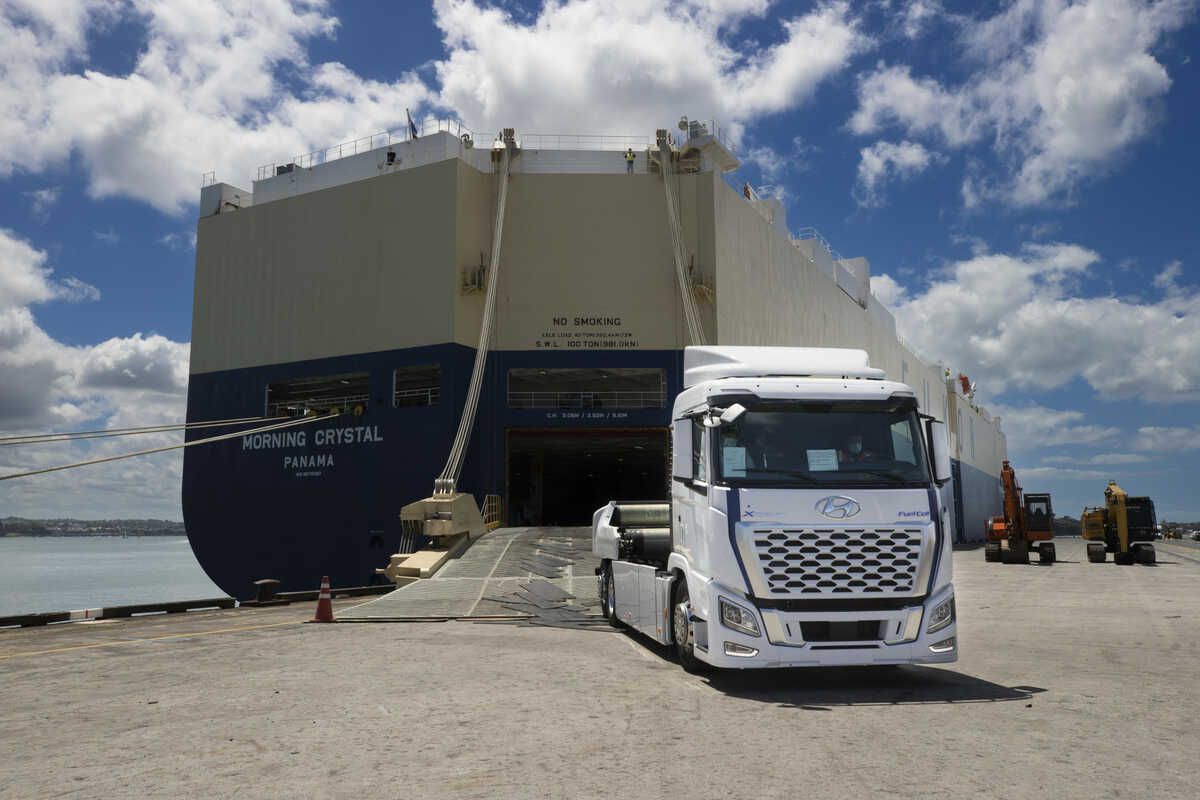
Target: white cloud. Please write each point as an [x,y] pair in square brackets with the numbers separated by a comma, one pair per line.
[1060,91]
[1168,279]
[1032,426]
[41,201]
[1061,474]
[770,162]
[1101,459]
[885,161]
[1018,320]
[1167,439]
[205,92]
[621,67]
[916,16]
[107,237]
[178,241]
[228,85]
[48,385]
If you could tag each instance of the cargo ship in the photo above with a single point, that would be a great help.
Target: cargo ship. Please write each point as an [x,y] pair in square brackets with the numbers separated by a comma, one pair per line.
[348,287]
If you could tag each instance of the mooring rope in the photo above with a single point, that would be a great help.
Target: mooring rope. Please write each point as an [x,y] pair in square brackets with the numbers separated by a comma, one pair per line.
[222,437]
[447,482]
[101,433]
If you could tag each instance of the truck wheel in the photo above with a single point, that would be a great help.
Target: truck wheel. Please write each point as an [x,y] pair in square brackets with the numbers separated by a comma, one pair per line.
[1096,553]
[1046,554]
[685,647]
[608,595]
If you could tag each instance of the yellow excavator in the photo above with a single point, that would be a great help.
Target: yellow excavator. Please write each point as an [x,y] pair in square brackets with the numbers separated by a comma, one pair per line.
[1124,527]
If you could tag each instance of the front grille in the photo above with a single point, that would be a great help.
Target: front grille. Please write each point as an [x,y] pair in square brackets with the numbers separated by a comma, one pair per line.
[816,562]
[867,630]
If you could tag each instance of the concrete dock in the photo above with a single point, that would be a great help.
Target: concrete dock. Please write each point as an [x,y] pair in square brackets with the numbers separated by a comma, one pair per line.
[1075,681]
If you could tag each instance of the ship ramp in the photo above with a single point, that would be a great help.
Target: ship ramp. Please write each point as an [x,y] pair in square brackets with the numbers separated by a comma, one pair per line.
[535,576]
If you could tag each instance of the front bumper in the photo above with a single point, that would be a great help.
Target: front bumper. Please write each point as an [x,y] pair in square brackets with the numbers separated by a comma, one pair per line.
[903,638]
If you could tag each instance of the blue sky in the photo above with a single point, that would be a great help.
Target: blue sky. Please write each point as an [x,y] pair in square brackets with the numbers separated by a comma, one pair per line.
[1021,178]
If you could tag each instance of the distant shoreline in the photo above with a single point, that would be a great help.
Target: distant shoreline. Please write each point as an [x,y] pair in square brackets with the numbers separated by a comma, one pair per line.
[108,535]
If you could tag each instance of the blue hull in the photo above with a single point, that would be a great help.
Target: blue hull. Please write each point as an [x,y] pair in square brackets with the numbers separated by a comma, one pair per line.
[256,508]
[328,502]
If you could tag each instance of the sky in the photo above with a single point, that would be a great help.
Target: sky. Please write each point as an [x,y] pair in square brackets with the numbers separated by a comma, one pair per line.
[1020,176]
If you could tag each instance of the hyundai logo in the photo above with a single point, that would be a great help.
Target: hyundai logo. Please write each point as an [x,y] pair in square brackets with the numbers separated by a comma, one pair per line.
[837,507]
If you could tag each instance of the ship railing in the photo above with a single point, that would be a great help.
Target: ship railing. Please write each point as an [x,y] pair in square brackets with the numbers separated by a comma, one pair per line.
[585,400]
[568,141]
[491,512]
[364,144]
[428,396]
[710,127]
[813,233]
[208,179]
[299,408]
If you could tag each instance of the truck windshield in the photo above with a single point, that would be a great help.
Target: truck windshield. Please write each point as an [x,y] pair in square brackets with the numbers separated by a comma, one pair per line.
[822,444]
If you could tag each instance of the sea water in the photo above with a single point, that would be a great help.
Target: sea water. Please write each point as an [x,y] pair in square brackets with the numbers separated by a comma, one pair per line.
[65,573]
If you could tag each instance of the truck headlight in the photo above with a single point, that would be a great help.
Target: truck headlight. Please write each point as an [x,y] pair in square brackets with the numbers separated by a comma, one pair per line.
[738,617]
[941,616]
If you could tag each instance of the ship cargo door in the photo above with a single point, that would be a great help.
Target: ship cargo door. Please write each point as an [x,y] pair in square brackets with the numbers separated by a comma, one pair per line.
[561,476]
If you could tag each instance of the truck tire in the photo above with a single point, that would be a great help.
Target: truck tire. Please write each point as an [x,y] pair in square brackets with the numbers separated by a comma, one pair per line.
[1096,553]
[608,595]
[685,648]
[1046,553]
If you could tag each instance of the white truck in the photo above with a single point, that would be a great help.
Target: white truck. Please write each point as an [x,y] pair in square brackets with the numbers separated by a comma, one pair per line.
[805,525]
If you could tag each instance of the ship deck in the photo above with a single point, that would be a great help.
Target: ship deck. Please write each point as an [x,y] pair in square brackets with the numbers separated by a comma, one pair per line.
[1075,681]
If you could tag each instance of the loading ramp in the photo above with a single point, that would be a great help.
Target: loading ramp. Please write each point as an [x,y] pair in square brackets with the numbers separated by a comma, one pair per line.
[537,576]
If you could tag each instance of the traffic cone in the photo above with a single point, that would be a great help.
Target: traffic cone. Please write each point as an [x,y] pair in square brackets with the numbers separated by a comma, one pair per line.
[324,603]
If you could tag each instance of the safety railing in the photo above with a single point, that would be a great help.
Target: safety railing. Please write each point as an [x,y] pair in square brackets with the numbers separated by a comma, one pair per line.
[491,512]
[300,408]
[654,399]
[417,397]
[710,127]
[208,179]
[813,233]
[567,141]
[364,144]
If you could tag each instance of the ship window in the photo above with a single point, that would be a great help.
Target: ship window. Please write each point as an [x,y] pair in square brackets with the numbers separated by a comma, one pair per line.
[419,385]
[587,388]
[300,396]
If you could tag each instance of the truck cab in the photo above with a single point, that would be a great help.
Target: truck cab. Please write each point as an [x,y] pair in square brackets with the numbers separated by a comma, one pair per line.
[805,526]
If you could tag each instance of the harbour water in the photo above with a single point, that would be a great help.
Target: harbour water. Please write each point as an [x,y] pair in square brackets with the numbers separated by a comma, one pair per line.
[64,573]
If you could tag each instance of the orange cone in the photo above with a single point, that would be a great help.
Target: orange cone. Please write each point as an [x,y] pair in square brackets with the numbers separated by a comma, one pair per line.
[324,603]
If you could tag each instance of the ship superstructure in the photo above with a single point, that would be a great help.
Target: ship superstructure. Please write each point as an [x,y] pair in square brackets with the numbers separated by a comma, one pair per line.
[355,280]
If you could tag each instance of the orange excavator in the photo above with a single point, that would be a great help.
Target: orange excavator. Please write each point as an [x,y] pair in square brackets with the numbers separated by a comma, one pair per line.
[1028,522]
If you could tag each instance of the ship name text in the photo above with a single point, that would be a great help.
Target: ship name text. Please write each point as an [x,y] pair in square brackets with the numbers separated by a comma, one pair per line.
[324,436]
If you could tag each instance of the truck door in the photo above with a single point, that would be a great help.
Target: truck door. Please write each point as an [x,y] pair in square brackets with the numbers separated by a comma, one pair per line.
[690,484]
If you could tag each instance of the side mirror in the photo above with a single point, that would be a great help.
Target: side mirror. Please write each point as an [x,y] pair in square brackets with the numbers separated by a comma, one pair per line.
[732,414]
[939,449]
[727,416]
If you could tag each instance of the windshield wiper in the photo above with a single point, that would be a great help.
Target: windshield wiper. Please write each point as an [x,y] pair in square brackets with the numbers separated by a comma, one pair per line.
[791,473]
[897,476]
